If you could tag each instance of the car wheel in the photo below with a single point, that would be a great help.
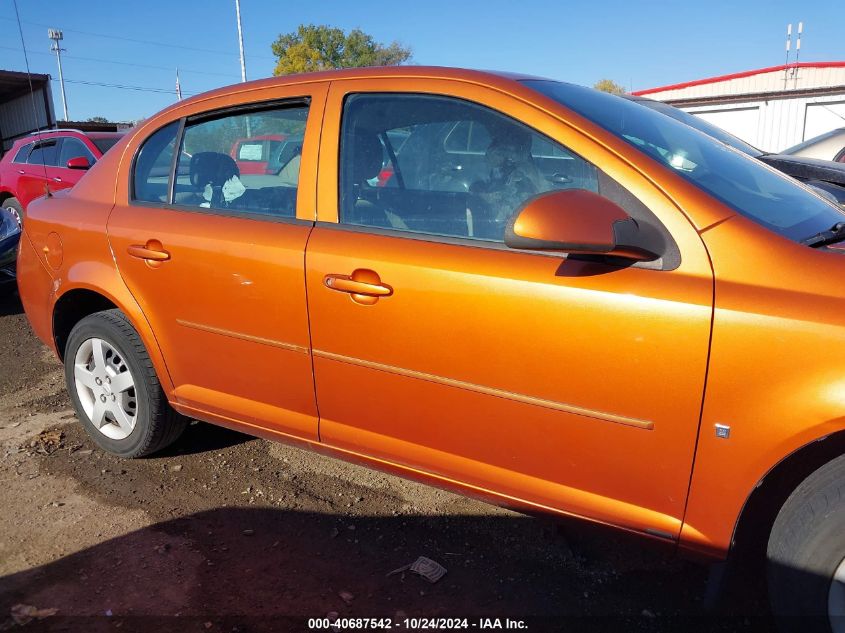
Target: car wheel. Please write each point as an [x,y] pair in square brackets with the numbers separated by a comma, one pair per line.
[115,390]
[806,554]
[14,207]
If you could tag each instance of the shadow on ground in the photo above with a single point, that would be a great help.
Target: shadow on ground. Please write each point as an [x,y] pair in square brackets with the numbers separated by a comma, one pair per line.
[244,569]
[10,302]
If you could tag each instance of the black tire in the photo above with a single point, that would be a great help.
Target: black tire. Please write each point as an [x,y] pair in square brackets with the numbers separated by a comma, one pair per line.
[157,424]
[806,546]
[15,207]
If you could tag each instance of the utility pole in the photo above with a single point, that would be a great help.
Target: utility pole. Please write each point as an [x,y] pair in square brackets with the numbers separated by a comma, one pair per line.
[240,39]
[56,36]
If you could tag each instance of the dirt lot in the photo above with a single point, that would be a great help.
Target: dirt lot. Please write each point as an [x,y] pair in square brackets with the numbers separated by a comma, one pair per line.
[229,533]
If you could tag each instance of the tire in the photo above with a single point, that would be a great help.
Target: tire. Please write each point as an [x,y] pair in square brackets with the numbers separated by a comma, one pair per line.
[806,549]
[15,207]
[132,422]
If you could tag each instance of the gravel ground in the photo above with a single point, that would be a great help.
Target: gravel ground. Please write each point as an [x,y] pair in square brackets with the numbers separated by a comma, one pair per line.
[225,532]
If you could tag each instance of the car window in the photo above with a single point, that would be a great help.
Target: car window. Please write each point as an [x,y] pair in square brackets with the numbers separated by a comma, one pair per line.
[22,153]
[44,153]
[105,143]
[762,194]
[74,148]
[243,163]
[151,178]
[445,166]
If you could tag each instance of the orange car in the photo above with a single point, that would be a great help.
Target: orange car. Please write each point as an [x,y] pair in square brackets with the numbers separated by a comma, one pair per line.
[560,300]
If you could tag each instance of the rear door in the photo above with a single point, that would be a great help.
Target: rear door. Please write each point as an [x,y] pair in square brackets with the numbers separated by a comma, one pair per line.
[39,171]
[574,385]
[215,258]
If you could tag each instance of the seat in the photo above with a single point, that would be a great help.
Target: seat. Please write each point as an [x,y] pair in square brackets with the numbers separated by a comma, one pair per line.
[367,160]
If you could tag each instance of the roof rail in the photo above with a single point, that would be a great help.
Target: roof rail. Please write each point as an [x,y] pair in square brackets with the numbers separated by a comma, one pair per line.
[60,129]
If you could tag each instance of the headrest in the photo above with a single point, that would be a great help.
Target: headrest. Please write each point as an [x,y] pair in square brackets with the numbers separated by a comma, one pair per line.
[212,168]
[366,156]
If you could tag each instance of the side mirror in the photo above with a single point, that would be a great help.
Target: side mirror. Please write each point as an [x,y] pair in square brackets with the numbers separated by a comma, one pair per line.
[577,221]
[79,162]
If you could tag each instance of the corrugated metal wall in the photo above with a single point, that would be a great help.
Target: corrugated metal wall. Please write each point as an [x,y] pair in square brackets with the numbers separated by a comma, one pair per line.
[17,116]
[776,124]
[757,106]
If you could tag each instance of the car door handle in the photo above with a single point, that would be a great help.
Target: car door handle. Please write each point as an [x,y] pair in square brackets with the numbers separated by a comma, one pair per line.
[345,283]
[57,179]
[21,171]
[152,252]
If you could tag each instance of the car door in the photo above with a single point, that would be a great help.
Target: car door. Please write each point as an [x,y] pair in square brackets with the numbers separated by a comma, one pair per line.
[71,147]
[215,260]
[38,172]
[569,384]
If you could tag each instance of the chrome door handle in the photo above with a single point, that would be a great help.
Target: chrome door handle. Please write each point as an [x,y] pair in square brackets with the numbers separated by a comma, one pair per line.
[152,251]
[21,171]
[57,179]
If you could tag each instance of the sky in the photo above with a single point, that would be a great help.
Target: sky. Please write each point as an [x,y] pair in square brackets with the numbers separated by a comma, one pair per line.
[639,44]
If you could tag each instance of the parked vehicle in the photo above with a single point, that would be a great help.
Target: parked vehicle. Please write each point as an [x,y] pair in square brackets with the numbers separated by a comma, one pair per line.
[10,232]
[825,176]
[631,324]
[253,155]
[54,159]
[827,146]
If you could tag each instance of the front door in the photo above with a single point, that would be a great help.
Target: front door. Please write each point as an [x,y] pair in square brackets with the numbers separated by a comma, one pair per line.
[569,384]
[215,260]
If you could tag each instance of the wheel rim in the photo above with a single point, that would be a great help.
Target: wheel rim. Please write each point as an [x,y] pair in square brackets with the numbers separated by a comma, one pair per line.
[836,600]
[106,388]
[15,215]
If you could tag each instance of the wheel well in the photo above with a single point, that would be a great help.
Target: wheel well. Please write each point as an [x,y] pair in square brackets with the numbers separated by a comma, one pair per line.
[751,534]
[5,195]
[71,308]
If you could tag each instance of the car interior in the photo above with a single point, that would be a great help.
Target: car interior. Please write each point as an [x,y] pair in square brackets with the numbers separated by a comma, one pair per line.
[444,166]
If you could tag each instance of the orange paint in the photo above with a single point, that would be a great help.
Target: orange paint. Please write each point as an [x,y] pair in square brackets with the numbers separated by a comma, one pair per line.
[565,385]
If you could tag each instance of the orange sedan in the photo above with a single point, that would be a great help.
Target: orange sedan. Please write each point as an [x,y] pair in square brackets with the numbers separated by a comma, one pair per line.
[520,288]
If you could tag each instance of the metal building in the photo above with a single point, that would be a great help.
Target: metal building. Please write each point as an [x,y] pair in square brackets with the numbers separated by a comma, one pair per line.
[22,111]
[771,108]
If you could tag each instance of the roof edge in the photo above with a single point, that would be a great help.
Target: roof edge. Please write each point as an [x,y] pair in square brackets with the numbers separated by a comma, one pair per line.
[739,75]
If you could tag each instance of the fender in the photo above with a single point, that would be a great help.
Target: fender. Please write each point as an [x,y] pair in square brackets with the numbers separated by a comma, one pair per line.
[106,281]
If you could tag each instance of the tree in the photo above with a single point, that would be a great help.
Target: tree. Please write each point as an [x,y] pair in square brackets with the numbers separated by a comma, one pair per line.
[97,119]
[320,47]
[608,85]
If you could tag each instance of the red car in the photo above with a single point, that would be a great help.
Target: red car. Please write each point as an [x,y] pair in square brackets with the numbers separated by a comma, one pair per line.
[55,158]
[254,155]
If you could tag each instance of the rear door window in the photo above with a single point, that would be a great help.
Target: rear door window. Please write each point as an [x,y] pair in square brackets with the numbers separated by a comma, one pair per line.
[44,153]
[243,163]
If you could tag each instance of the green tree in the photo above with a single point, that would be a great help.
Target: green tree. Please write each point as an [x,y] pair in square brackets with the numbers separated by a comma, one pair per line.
[608,85]
[97,119]
[319,47]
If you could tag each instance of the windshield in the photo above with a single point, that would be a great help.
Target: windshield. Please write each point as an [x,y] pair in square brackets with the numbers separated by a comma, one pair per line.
[699,124]
[773,200]
[105,143]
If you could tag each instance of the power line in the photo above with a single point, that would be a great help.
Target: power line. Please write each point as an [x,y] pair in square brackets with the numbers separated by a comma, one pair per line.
[126,87]
[120,63]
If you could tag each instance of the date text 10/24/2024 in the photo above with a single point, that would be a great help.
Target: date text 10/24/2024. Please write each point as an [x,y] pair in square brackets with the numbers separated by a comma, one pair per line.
[416,624]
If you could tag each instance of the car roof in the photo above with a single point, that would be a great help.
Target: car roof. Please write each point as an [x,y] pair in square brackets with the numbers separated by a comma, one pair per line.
[432,72]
